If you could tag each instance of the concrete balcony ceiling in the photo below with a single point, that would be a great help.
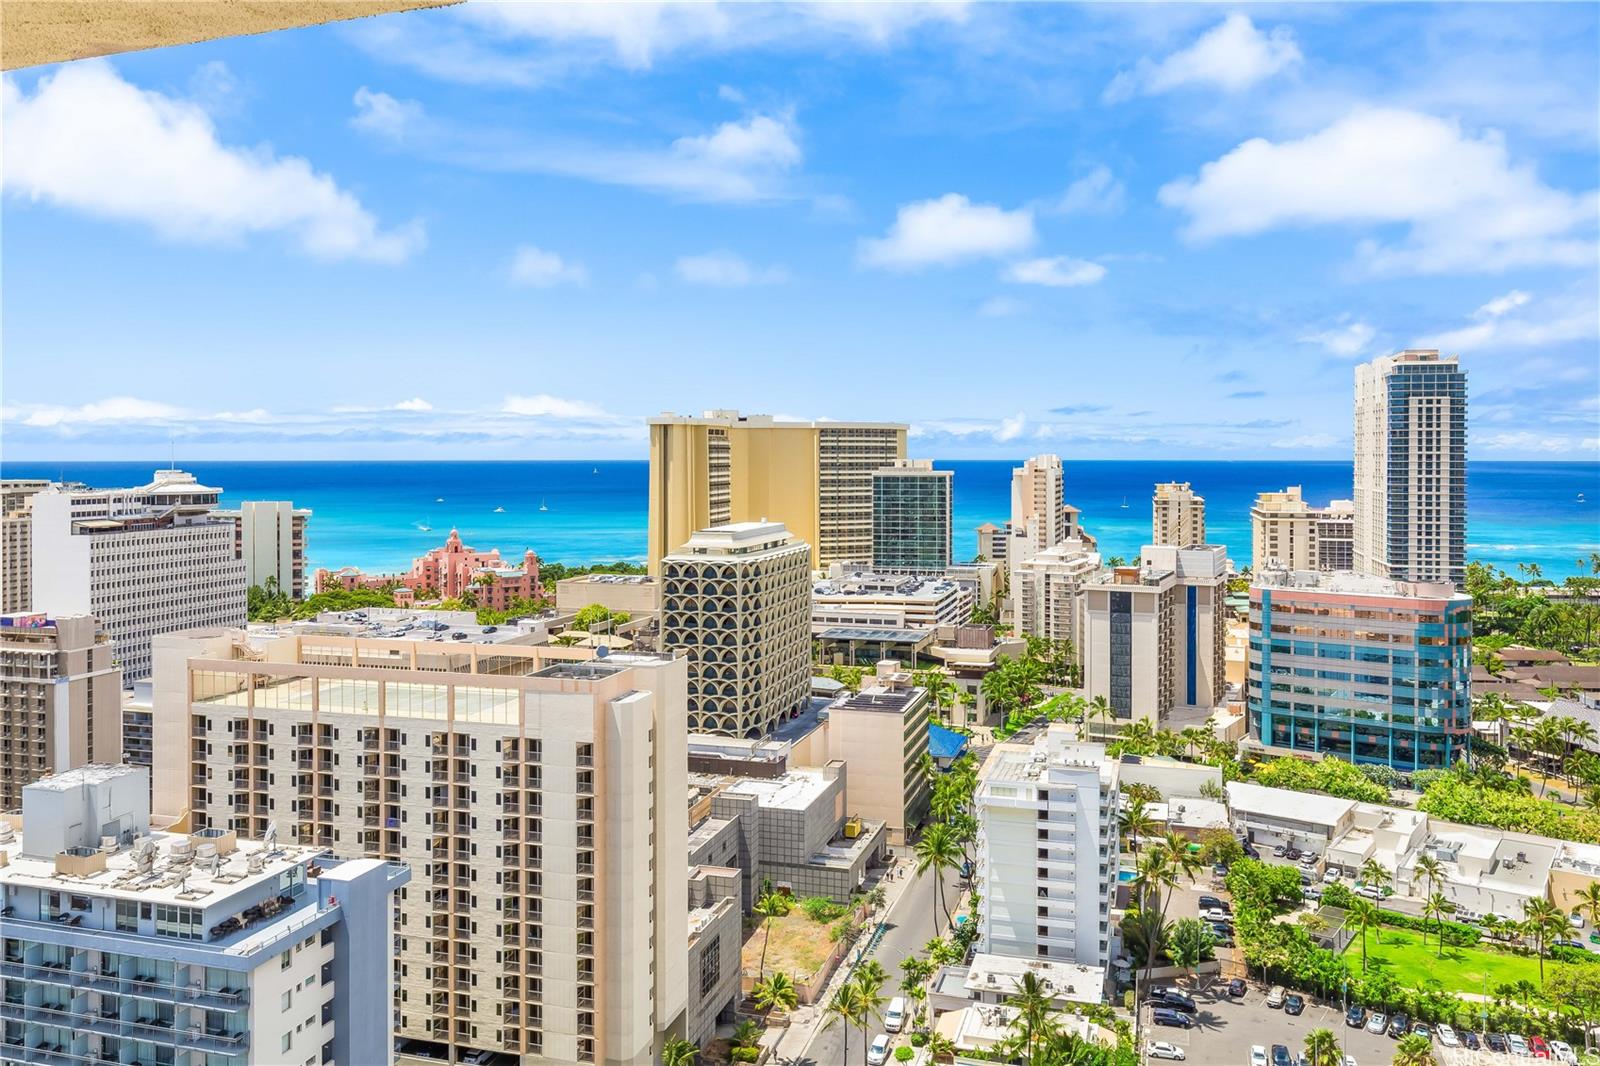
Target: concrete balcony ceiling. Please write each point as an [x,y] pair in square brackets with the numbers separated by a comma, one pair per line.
[55,31]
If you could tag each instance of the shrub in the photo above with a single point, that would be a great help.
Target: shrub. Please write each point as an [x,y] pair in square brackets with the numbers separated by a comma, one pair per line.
[903,1054]
[821,908]
[744,1054]
[1455,799]
[1332,776]
[919,1039]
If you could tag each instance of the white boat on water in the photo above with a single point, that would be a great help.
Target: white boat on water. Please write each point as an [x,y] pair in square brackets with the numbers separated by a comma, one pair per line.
[424,527]
[439,500]
[542,506]
[499,510]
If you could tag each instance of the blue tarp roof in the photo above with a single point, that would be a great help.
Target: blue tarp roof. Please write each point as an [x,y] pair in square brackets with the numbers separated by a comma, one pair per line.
[945,743]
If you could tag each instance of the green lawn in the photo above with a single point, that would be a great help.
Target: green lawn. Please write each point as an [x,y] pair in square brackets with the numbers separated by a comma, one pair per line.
[1460,970]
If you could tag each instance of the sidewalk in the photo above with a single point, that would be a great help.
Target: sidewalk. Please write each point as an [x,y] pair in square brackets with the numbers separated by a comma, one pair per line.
[806,1021]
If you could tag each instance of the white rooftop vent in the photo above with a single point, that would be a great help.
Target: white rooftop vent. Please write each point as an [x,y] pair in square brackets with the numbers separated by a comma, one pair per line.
[108,844]
[182,848]
[254,863]
[206,852]
[7,834]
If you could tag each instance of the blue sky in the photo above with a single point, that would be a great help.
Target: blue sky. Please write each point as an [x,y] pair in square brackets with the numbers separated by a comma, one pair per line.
[514,231]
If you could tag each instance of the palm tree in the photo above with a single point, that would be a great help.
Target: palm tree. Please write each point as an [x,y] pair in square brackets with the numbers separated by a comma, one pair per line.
[1589,903]
[1429,867]
[1375,873]
[869,999]
[1436,907]
[1322,1048]
[769,906]
[1414,1049]
[1135,822]
[1032,1004]
[746,1033]
[1364,916]
[938,850]
[844,1006]
[1546,922]
[777,992]
[678,1053]
[1101,707]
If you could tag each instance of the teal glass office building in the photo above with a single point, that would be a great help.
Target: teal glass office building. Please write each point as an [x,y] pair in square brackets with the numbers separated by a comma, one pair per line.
[911,518]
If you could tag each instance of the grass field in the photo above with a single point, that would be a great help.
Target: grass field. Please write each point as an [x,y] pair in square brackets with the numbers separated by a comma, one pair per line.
[799,946]
[1460,970]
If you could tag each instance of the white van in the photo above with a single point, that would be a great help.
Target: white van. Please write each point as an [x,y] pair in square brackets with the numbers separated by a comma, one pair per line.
[895,1016]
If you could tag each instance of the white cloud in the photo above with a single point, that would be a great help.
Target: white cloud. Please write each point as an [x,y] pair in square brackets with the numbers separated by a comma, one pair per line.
[1059,271]
[536,268]
[380,113]
[543,405]
[1527,441]
[1467,206]
[948,230]
[1231,56]
[758,141]
[1516,321]
[1001,307]
[1350,339]
[89,141]
[114,409]
[416,403]
[724,268]
[1307,440]
[1011,428]
[1096,193]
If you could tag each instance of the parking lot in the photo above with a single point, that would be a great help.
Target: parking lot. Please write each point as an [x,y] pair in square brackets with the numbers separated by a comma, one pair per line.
[1228,1028]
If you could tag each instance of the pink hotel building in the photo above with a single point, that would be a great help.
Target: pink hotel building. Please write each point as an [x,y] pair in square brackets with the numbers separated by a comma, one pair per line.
[449,571]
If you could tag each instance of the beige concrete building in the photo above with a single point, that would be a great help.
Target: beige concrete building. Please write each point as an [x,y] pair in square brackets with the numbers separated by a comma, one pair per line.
[1037,503]
[1047,590]
[736,603]
[723,467]
[270,536]
[539,804]
[1177,515]
[633,593]
[60,699]
[881,733]
[1287,531]
[16,540]
[145,560]
[1411,467]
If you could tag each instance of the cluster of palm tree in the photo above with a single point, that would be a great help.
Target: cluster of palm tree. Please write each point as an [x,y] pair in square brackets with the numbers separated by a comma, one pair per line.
[858,1003]
[952,833]
[945,693]
[1158,868]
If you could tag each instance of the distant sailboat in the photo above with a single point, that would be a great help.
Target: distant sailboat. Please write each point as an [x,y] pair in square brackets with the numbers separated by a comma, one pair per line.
[597,470]
[499,510]
[439,500]
[1124,503]
[424,527]
[542,506]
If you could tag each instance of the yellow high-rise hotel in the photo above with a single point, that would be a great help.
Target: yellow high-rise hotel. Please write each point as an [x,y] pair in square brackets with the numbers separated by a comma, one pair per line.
[815,477]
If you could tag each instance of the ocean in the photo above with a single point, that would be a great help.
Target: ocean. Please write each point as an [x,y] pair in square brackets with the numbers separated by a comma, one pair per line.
[372,514]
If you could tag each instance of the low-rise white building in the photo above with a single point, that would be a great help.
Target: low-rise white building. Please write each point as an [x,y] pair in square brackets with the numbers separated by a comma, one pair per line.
[888,601]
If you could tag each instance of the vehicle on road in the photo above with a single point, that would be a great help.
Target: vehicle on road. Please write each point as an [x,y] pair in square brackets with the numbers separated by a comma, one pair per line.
[1220,870]
[1258,1055]
[895,1016]
[1281,1056]
[1576,921]
[1369,891]
[1349,1060]
[1448,1037]
[1355,1017]
[1306,879]
[1294,1004]
[1399,1026]
[878,1053]
[1160,1049]
[1562,1051]
[1378,1022]
[1237,988]
[1174,1018]
[1516,1045]
[1540,1049]
[1311,891]
[1275,996]
[1496,1042]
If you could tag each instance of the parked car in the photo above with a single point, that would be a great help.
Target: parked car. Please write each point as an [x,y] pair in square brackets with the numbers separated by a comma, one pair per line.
[1215,914]
[1470,1039]
[1308,860]
[1349,1060]
[1160,1049]
[1355,1017]
[1213,902]
[1250,851]
[1281,1056]
[1174,1018]
[1399,1026]
[1330,875]
[1562,1051]
[1275,996]
[1369,891]
[1421,1029]
[1292,852]
[1540,1049]
[1237,988]
[1311,892]
[1163,1003]
[1306,878]
[1173,992]
[1516,1045]
[1258,1055]
[878,1053]
[1378,1023]
[1294,1003]
[895,1016]
[1576,921]
[1278,851]
[1220,870]
[1495,1042]
[1448,1037]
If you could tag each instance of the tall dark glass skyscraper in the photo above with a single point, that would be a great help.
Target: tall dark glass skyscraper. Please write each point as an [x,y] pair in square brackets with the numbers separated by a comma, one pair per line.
[911,517]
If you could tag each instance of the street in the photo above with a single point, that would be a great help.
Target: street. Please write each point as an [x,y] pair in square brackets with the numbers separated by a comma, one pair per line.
[908,926]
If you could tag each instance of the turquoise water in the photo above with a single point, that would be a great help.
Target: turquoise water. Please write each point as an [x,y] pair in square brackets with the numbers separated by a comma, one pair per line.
[368,514]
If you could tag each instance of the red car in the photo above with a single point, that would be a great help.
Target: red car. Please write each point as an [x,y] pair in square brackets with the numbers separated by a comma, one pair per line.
[1540,1049]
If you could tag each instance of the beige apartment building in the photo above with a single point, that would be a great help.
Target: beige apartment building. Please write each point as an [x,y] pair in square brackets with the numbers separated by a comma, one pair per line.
[60,699]
[539,804]
[1286,530]
[881,733]
[736,603]
[270,536]
[1177,515]
[16,543]
[723,467]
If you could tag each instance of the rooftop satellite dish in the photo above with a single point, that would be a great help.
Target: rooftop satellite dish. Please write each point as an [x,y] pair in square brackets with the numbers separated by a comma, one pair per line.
[271,839]
[144,855]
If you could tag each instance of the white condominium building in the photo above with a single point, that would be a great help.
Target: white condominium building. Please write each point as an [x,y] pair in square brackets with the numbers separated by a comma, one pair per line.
[60,699]
[1047,849]
[144,561]
[735,601]
[1047,590]
[270,536]
[1177,515]
[1038,519]
[538,802]
[1288,532]
[1411,467]
[123,945]
[16,540]
[889,601]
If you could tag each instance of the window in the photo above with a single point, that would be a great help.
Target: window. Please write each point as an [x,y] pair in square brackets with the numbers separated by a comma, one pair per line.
[127,916]
[710,968]
[180,922]
[288,1041]
[286,1001]
[286,960]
